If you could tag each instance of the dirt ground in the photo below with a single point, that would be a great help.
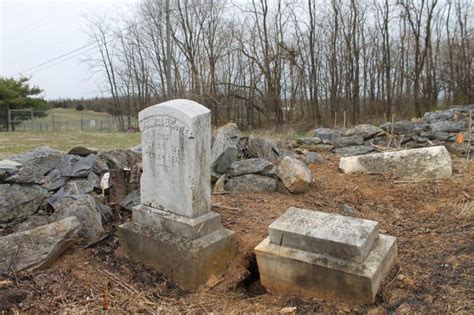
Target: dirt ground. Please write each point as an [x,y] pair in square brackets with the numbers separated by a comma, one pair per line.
[432,220]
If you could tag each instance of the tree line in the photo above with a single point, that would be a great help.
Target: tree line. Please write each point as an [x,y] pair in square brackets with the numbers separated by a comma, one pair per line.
[300,62]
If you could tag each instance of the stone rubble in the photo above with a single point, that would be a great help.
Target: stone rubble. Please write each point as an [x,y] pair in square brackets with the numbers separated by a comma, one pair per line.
[434,128]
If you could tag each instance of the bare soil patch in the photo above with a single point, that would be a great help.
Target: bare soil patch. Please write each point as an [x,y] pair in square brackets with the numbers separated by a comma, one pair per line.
[433,221]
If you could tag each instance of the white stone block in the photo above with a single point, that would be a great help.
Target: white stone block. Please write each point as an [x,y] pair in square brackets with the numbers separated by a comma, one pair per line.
[424,163]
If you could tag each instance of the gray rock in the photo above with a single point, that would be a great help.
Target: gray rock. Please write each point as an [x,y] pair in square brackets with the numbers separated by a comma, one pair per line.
[365,130]
[264,149]
[42,159]
[250,166]
[19,201]
[84,208]
[432,162]
[431,117]
[432,135]
[54,180]
[313,158]
[309,141]
[33,221]
[131,200]
[76,166]
[104,210]
[77,187]
[37,248]
[448,126]
[402,127]
[26,175]
[419,139]
[100,166]
[94,179]
[347,141]
[226,148]
[250,183]
[354,150]
[295,175]
[119,159]
[328,135]
[8,168]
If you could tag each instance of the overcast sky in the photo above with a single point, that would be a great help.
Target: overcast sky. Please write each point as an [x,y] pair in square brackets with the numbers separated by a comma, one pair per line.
[35,31]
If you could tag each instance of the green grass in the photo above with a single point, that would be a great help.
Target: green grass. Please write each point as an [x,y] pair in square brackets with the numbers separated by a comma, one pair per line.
[66,119]
[62,114]
[21,141]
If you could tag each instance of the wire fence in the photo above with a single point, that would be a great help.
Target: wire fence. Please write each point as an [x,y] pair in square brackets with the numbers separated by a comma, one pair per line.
[52,123]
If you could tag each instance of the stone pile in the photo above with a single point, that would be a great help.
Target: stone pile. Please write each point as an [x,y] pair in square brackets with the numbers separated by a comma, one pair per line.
[435,128]
[250,164]
[41,189]
[328,256]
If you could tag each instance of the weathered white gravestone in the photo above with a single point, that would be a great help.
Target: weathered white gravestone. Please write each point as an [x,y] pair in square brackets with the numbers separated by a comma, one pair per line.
[174,228]
[325,255]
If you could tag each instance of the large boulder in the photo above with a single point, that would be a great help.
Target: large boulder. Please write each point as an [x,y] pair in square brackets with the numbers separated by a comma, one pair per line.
[250,183]
[433,162]
[17,202]
[294,174]
[250,166]
[37,248]
[41,160]
[226,148]
[84,208]
[54,180]
[26,175]
[448,126]
[365,130]
[264,149]
[328,135]
[76,166]
[431,117]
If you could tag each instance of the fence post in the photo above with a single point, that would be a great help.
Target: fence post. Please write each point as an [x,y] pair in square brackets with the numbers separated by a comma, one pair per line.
[52,121]
[82,122]
[9,119]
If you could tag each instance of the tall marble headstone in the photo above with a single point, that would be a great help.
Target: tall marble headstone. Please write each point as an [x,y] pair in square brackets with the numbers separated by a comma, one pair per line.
[174,228]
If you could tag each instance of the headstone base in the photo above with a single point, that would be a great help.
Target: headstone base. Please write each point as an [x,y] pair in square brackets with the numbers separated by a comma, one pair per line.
[192,228]
[187,262]
[293,271]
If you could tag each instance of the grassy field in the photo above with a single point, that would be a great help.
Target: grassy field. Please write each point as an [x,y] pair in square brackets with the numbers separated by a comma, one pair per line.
[61,114]
[66,119]
[22,141]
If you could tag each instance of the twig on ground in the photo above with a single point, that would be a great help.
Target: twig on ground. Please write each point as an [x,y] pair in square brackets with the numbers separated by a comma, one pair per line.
[219,206]
[391,281]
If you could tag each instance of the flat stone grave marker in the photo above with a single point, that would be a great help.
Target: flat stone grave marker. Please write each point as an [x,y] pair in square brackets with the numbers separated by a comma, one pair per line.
[332,234]
[325,255]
